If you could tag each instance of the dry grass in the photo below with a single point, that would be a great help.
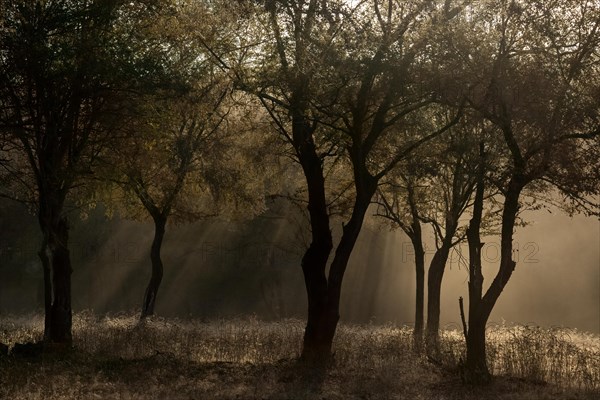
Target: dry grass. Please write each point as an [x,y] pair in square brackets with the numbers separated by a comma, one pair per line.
[115,358]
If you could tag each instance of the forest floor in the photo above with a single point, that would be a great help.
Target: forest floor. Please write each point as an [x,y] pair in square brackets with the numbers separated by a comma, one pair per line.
[116,358]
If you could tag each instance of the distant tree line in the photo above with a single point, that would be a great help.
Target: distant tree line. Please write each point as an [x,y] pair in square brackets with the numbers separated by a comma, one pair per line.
[449,115]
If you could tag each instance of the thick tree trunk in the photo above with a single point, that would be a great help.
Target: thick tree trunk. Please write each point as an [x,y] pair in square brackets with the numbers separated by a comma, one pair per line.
[319,333]
[157,268]
[434,290]
[365,189]
[319,339]
[317,345]
[56,262]
[61,316]
[476,370]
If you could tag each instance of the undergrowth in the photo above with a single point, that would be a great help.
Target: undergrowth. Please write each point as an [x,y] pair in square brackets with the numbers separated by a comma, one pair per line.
[370,361]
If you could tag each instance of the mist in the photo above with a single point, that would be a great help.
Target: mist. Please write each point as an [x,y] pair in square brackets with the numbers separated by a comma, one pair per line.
[217,268]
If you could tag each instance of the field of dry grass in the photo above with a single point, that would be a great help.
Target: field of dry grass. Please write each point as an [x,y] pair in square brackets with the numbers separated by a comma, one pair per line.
[115,358]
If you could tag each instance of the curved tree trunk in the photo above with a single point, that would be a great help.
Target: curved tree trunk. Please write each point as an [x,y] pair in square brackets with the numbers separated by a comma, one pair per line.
[316,346]
[480,308]
[157,268]
[475,370]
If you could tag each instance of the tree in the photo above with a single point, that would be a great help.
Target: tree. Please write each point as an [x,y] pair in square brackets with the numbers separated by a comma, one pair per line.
[451,190]
[61,64]
[535,78]
[434,188]
[185,157]
[342,82]
[161,165]
[398,201]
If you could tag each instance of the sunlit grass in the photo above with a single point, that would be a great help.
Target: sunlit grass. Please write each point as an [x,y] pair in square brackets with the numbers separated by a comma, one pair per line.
[116,357]
[565,357]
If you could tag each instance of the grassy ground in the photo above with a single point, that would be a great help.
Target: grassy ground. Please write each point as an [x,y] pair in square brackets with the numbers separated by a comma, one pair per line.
[114,358]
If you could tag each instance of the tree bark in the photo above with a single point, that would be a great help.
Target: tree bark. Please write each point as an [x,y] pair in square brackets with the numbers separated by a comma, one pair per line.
[415,234]
[475,370]
[47,269]
[56,262]
[157,268]
[316,344]
[480,307]
[318,339]
[420,290]
[329,314]
[434,289]
[507,265]
[61,314]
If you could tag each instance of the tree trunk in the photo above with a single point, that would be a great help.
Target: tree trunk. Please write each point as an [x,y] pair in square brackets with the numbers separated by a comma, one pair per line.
[434,289]
[420,291]
[157,268]
[415,233]
[507,265]
[56,262]
[47,269]
[320,338]
[330,314]
[480,307]
[61,282]
[475,370]
[316,344]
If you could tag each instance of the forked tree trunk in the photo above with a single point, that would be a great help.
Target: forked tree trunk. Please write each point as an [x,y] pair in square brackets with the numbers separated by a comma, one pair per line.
[475,370]
[157,268]
[325,293]
[316,345]
[480,307]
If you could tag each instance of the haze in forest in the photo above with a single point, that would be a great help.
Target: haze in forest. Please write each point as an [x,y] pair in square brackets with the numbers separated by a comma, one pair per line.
[219,268]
